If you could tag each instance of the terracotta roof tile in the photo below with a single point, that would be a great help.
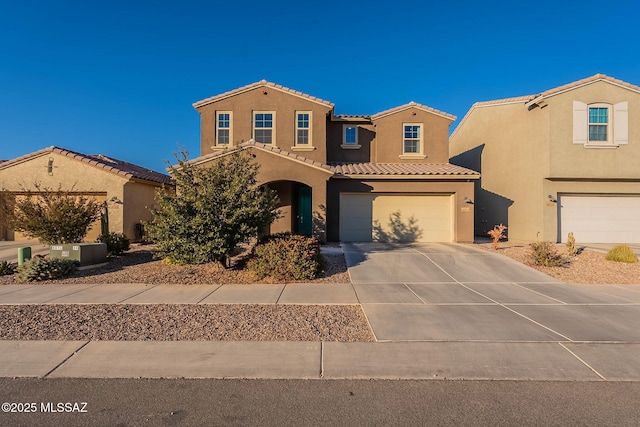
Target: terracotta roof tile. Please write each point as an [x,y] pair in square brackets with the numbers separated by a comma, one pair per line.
[256,85]
[390,169]
[402,169]
[118,167]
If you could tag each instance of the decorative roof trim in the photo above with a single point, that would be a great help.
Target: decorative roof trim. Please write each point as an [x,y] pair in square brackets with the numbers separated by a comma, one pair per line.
[255,85]
[99,161]
[264,147]
[412,104]
[580,83]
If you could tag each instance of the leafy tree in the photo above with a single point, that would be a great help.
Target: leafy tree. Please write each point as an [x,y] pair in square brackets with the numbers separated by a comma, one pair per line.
[213,210]
[52,216]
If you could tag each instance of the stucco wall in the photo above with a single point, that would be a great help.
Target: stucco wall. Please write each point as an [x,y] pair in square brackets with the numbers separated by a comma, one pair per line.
[389,136]
[283,104]
[568,160]
[507,145]
[138,199]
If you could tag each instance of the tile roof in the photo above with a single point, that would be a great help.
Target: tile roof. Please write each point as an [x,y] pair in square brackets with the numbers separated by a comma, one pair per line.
[118,167]
[266,147]
[412,104]
[402,169]
[386,169]
[251,86]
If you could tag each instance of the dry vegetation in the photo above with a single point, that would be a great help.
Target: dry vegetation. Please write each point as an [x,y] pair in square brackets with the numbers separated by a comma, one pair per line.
[139,266]
[588,267]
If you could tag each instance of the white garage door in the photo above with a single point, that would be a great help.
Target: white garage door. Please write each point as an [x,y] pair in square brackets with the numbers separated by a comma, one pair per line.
[600,219]
[396,218]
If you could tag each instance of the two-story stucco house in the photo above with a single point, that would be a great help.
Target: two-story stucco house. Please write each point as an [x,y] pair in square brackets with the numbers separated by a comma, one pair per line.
[566,160]
[353,178]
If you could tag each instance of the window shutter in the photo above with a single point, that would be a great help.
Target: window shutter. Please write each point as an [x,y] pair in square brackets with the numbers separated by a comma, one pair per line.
[580,123]
[621,123]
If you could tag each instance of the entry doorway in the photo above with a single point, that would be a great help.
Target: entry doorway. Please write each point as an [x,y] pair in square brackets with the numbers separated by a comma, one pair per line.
[304,216]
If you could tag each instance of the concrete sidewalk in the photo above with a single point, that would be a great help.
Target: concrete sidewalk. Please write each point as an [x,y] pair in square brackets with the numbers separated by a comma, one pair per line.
[537,331]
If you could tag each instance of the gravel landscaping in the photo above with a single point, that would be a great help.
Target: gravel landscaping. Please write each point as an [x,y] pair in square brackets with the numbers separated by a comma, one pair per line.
[589,267]
[180,322]
[139,266]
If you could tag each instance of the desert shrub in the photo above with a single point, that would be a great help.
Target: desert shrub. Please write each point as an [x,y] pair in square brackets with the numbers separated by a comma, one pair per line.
[40,268]
[572,249]
[622,253]
[117,243]
[53,216]
[7,268]
[287,256]
[214,208]
[545,254]
[497,234]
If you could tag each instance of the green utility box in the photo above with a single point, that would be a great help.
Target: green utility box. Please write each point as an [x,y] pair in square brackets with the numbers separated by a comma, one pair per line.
[23,255]
[84,253]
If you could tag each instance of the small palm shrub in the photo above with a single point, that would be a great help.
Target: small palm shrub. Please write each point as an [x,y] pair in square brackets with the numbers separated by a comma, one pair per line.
[572,249]
[497,234]
[40,268]
[622,253]
[545,254]
[7,268]
[286,256]
[117,243]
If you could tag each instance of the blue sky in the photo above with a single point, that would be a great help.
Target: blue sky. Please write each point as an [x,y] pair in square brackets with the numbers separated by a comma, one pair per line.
[119,77]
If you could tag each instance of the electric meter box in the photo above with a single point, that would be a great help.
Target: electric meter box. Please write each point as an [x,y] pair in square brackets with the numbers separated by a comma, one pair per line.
[84,253]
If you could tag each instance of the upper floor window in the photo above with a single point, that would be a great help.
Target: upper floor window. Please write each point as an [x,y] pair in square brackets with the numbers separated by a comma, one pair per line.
[600,125]
[303,128]
[223,127]
[350,135]
[412,138]
[263,127]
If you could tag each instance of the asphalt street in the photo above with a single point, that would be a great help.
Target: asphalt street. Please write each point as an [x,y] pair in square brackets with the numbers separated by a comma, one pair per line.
[179,402]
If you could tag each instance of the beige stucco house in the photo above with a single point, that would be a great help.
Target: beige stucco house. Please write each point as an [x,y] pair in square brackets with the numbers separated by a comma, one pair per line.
[127,189]
[349,178]
[565,160]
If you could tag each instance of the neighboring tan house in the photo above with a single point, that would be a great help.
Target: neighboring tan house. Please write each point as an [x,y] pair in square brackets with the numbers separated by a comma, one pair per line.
[351,178]
[127,189]
[566,160]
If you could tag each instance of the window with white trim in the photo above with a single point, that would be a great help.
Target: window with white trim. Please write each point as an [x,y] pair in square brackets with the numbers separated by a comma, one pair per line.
[412,138]
[264,127]
[303,128]
[600,124]
[223,127]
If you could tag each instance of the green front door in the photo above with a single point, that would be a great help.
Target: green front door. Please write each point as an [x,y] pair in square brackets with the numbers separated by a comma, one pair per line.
[305,225]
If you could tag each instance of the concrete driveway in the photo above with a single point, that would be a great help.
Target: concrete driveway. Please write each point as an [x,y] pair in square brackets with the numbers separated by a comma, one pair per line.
[475,306]
[9,249]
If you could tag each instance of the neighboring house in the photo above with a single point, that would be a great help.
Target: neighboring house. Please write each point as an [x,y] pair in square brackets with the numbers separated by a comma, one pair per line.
[566,160]
[351,178]
[127,189]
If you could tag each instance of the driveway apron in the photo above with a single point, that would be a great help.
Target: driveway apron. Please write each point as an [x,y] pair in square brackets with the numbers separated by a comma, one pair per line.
[454,296]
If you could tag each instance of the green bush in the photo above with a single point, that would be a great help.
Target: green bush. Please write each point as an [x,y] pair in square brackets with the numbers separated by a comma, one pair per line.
[622,253]
[215,207]
[546,255]
[40,268]
[287,256]
[53,216]
[7,268]
[117,243]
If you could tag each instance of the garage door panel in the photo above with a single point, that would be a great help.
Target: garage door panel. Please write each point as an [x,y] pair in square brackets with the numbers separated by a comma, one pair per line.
[600,219]
[393,217]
